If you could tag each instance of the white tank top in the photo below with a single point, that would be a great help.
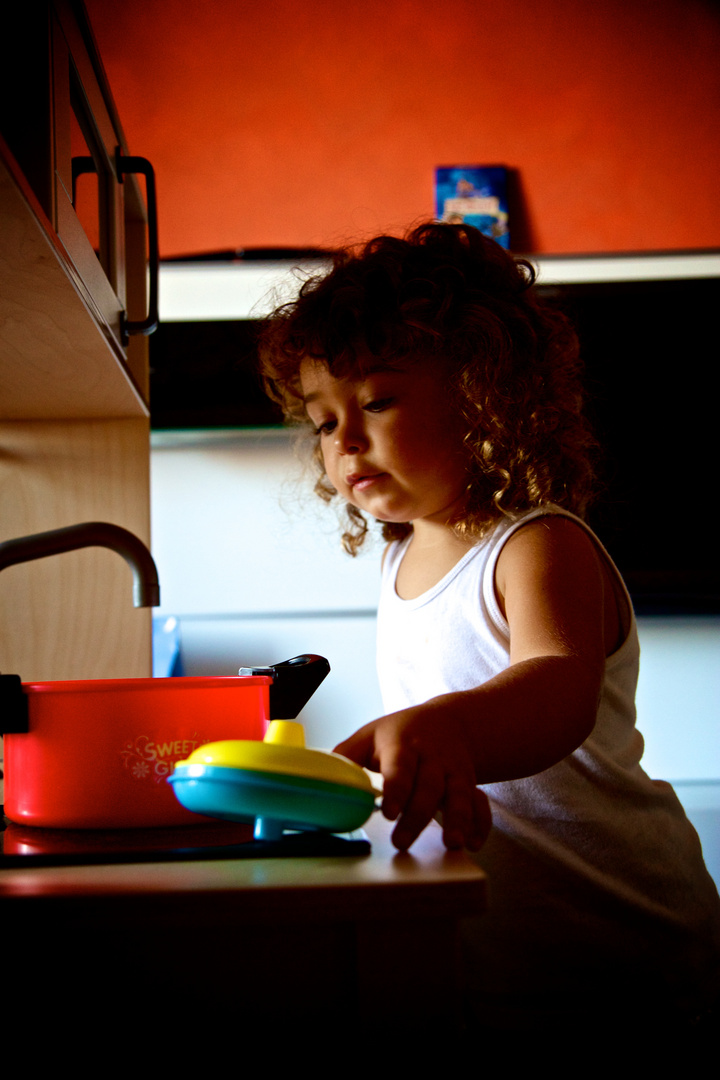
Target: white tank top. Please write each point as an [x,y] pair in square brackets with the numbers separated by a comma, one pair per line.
[595,819]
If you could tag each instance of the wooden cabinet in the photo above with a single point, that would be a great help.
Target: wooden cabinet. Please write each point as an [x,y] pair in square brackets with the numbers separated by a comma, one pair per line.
[74,421]
[267,947]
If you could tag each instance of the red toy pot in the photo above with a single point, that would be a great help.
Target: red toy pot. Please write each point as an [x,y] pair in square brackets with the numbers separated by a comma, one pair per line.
[96,754]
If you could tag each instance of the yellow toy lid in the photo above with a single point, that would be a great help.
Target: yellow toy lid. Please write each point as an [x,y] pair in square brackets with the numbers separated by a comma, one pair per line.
[283,751]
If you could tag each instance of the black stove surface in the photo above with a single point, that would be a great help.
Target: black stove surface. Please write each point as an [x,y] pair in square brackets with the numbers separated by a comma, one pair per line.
[27,846]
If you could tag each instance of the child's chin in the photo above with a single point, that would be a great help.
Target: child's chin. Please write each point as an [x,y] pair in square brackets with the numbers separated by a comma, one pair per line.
[390,520]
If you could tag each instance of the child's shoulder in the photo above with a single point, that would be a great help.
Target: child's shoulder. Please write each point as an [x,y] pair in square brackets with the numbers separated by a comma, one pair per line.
[556,561]
[544,538]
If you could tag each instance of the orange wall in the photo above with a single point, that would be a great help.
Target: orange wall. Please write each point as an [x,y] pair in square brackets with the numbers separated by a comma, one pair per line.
[302,122]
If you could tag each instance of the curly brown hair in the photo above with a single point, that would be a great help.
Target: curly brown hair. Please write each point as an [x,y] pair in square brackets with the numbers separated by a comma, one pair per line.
[512,362]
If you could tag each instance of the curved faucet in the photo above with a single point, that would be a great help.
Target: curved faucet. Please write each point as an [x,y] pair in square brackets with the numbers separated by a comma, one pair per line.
[146,590]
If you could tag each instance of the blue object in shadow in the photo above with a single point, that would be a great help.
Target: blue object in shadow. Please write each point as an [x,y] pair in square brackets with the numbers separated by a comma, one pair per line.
[167,654]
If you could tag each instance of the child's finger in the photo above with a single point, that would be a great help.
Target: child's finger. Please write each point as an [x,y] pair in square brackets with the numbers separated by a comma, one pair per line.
[482,821]
[360,748]
[421,805]
[467,818]
[458,811]
[399,766]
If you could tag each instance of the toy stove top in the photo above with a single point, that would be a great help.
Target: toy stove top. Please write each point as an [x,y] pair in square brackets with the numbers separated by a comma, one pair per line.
[24,845]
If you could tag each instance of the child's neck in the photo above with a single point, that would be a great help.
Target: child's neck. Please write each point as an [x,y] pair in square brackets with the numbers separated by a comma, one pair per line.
[431,554]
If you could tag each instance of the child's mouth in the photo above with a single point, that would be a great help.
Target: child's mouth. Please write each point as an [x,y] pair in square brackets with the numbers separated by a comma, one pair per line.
[359,482]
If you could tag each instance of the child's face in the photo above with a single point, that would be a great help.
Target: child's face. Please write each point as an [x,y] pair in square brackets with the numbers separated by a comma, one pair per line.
[391,441]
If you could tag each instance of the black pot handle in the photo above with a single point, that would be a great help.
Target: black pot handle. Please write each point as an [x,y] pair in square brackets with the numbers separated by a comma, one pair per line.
[293,683]
[13,706]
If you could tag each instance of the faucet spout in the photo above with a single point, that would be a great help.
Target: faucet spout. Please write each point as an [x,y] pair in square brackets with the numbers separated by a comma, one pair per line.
[146,589]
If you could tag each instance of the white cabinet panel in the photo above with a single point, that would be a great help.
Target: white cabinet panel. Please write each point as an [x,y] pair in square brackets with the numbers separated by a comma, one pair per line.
[348,697]
[237,529]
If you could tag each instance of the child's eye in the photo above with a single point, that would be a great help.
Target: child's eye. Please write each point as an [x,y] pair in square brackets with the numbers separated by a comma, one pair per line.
[325,428]
[378,405]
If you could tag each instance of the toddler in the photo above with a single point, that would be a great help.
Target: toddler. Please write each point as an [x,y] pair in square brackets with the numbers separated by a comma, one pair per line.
[445,403]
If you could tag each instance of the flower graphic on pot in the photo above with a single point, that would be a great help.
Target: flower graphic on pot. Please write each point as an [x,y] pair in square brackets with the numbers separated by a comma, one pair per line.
[150,759]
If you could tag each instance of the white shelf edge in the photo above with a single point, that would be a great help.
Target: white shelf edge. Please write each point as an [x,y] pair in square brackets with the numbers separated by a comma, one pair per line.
[250,290]
[659,266]
[211,291]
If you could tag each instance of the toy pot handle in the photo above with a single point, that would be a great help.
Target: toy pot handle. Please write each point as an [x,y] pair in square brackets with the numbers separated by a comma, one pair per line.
[293,683]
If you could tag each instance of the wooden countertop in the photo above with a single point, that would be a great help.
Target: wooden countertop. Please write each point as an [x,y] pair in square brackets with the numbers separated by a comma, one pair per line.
[441,881]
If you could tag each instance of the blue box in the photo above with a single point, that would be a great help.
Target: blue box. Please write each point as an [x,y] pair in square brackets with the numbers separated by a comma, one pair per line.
[474,195]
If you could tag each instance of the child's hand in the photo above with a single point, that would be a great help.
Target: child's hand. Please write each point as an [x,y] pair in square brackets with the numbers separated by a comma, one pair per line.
[427,768]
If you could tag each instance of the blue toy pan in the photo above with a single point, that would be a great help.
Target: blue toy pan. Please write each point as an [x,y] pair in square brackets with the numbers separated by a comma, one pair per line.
[274,801]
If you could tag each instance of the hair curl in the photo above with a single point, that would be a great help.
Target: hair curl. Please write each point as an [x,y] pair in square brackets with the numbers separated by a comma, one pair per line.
[513,365]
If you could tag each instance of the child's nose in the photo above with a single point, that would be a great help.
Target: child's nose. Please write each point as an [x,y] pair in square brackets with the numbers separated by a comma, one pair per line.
[350,437]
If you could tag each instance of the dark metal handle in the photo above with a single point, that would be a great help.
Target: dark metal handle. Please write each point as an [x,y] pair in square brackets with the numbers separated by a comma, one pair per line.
[13,706]
[81,166]
[142,165]
[293,683]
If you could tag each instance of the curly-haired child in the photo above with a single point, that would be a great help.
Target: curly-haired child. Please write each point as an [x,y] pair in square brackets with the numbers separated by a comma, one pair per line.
[446,404]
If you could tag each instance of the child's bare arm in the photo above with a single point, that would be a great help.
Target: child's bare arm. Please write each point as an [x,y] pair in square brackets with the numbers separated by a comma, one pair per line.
[551,583]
